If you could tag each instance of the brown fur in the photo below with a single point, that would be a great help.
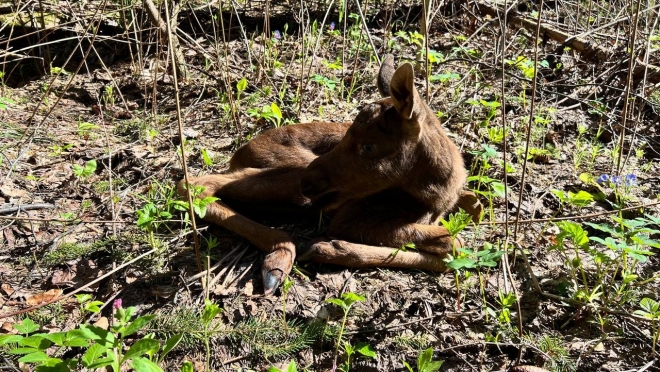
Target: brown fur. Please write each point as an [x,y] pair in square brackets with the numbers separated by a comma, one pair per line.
[384,180]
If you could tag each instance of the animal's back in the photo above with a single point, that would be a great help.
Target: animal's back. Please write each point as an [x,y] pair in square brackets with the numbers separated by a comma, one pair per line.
[293,146]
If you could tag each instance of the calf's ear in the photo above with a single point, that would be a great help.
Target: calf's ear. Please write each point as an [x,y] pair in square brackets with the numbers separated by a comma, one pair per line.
[403,93]
[385,75]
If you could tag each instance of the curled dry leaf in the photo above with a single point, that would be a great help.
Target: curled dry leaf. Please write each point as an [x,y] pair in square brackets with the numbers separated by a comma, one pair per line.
[44,297]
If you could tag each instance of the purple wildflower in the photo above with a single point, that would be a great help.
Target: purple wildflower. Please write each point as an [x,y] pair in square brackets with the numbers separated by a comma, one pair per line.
[631,180]
[117,304]
[332,26]
[277,35]
[615,180]
[604,178]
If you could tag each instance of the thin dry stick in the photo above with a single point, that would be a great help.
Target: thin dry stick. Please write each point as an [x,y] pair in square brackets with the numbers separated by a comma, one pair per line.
[366,29]
[230,93]
[626,94]
[179,121]
[425,23]
[580,217]
[2,316]
[528,139]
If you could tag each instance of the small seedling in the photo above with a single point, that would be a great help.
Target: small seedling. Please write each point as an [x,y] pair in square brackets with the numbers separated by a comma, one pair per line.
[84,172]
[425,362]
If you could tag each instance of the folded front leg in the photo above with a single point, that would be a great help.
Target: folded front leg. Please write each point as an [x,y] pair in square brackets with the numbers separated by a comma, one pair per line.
[278,245]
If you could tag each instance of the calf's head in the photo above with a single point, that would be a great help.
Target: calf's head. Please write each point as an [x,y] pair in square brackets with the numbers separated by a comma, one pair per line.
[395,142]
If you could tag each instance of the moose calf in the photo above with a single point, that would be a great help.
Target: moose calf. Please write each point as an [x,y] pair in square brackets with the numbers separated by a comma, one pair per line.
[384,180]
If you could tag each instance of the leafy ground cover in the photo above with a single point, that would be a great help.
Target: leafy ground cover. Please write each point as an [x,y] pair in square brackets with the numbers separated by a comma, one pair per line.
[562,272]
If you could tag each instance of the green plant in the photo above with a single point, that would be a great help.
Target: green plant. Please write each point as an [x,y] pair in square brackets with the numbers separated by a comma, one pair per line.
[425,362]
[84,172]
[614,257]
[345,303]
[108,96]
[270,113]
[651,310]
[99,347]
[85,128]
[290,368]
[210,327]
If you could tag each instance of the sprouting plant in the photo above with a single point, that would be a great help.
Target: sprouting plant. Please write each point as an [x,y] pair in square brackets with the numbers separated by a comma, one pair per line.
[85,128]
[209,313]
[526,66]
[99,347]
[454,225]
[84,172]
[493,189]
[345,303]
[403,248]
[286,287]
[411,38]
[491,109]
[329,83]
[291,367]
[651,310]
[206,158]
[443,78]
[88,304]
[270,113]
[425,362]
[580,199]
[241,86]
[108,97]
[506,301]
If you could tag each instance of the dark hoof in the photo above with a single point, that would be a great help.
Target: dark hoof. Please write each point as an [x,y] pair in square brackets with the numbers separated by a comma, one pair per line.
[277,264]
[272,280]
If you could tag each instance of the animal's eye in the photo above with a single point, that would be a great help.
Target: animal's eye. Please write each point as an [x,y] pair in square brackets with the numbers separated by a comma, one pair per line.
[367,148]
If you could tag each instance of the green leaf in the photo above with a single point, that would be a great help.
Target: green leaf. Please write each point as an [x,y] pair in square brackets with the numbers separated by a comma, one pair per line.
[56,365]
[99,363]
[188,367]
[36,341]
[211,310]
[137,324]
[145,365]
[169,345]
[365,349]
[26,326]
[292,367]
[275,109]
[461,263]
[90,332]
[94,306]
[23,350]
[581,199]
[36,357]
[58,338]
[93,354]
[10,339]
[350,297]
[242,85]
[425,362]
[337,301]
[140,347]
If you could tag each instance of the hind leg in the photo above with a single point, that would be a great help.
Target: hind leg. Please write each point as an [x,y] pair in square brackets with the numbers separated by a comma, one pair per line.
[373,230]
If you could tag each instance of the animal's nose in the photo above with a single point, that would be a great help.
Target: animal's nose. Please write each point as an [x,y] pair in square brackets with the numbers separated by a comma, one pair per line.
[313,184]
